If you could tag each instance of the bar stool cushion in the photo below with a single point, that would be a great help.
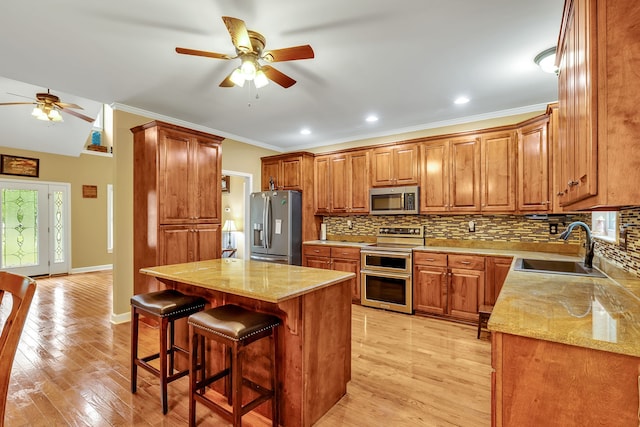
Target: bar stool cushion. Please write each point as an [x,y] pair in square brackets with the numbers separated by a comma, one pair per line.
[233,322]
[168,302]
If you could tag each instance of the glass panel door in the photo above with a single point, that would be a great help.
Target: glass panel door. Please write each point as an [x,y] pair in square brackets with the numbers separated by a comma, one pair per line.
[34,232]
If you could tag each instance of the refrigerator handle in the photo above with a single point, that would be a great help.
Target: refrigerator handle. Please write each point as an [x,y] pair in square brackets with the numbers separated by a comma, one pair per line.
[267,222]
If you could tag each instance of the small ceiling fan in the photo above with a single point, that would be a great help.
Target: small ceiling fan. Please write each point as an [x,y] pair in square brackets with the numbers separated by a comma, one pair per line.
[250,49]
[48,107]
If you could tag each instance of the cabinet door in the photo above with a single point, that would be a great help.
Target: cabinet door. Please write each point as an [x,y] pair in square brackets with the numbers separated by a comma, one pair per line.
[533,168]
[406,165]
[351,266]
[271,171]
[317,262]
[208,242]
[207,170]
[358,180]
[321,184]
[174,177]
[429,289]
[498,175]
[434,177]
[466,293]
[464,178]
[176,245]
[495,275]
[382,167]
[291,173]
[339,183]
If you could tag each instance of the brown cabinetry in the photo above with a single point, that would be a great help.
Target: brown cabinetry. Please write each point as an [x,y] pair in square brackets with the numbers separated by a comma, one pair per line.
[498,174]
[177,197]
[496,272]
[342,183]
[450,285]
[335,258]
[533,167]
[539,382]
[294,171]
[394,165]
[597,96]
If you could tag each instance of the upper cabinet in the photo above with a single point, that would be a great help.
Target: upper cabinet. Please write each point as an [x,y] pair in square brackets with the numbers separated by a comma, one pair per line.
[533,167]
[598,81]
[286,171]
[342,183]
[498,174]
[394,165]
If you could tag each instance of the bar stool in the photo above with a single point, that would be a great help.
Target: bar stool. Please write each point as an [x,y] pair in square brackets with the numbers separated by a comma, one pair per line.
[484,312]
[235,328]
[166,307]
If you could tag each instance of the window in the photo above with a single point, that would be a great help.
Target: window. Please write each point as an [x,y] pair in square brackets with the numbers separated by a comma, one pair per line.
[604,225]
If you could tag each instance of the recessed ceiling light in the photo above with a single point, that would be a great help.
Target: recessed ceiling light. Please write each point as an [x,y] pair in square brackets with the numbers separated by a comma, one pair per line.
[461,100]
[305,131]
[371,118]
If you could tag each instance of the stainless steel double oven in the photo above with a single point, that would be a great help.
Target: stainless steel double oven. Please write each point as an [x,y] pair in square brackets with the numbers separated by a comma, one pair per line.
[386,270]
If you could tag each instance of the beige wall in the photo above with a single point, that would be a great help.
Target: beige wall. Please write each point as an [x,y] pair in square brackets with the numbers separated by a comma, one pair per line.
[88,216]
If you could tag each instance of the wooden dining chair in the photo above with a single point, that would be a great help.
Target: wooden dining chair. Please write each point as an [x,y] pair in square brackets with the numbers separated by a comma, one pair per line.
[21,290]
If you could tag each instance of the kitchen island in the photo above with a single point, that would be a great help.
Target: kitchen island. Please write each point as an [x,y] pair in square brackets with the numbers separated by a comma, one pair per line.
[314,342]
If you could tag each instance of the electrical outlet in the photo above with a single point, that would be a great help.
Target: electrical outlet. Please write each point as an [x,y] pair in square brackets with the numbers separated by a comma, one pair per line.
[553,228]
[350,224]
[472,227]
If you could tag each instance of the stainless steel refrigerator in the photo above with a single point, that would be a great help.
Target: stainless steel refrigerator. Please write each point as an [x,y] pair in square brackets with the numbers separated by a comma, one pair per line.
[276,227]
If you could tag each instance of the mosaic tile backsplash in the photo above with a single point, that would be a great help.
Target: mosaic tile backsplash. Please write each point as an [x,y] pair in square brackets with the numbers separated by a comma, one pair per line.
[628,259]
[499,228]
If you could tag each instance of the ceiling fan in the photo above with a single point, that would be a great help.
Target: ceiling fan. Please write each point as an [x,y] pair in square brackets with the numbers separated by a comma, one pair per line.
[48,107]
[250,49]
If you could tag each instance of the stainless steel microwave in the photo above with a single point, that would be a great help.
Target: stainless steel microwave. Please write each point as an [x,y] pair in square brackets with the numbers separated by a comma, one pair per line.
[394,201]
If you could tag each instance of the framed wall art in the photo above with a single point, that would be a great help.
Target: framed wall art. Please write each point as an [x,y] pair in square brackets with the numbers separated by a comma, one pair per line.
[21,166]
[225,183]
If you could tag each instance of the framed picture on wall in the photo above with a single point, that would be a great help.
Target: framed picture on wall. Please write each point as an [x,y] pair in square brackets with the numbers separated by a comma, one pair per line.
[225,183]
[21,166]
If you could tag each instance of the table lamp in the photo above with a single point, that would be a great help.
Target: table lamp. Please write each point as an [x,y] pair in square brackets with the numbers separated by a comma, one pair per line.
[229,226]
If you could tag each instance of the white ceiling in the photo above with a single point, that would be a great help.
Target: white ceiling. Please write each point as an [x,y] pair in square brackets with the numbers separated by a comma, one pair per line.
[404,60]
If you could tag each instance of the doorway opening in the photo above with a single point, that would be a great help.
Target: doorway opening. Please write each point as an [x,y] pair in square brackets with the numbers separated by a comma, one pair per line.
[235,207]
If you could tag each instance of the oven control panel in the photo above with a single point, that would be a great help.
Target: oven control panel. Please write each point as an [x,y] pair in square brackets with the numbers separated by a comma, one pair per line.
[401,231]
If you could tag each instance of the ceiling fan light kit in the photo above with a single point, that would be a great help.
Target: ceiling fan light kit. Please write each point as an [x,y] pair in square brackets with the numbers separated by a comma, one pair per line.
[48,107]
[249,47]
[46,113]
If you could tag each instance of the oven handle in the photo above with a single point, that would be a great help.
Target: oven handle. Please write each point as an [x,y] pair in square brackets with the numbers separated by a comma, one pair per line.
[385,274]
[387,253]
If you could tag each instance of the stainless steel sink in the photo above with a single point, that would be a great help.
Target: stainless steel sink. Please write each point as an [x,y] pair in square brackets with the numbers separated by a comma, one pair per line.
[573,268]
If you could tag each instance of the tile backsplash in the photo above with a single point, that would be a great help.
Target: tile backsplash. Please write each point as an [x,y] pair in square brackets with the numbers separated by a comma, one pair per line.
[495,228]
[628,259]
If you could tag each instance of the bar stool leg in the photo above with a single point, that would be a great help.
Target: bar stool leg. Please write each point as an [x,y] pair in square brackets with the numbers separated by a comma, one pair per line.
[134,349]
[236,379]
[275,411]
[194,341]
[163,364]
[228,383]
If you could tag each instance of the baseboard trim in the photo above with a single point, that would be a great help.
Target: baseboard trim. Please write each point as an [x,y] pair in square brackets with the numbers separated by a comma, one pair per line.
[91,269]
[116,319]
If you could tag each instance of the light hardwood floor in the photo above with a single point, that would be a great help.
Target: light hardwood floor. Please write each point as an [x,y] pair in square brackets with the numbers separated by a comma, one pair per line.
[72,368]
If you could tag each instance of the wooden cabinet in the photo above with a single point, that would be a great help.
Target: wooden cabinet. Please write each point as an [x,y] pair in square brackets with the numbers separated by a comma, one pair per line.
[450,175]
[597,96]
[450,285]
[498,174]
[539,382]
[342,183]
[533,167]
[394,165]
[177,198]
[294,171]
[335,258]
[496,272]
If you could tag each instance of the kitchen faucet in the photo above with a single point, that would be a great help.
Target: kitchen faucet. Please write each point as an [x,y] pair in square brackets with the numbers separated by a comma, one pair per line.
[589,244]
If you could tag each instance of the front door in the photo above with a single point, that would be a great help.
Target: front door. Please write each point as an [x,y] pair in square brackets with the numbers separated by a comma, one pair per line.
[35,230]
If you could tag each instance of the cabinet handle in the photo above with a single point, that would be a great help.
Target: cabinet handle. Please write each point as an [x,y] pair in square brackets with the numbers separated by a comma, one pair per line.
[545,203]
[429,259]
[560,193]
[572,183]
[465,262]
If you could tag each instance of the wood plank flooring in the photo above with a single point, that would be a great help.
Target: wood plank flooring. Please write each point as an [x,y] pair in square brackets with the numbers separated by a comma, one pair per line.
[72,369]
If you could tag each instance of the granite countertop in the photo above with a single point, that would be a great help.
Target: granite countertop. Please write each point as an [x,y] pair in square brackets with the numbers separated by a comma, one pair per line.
[263,281]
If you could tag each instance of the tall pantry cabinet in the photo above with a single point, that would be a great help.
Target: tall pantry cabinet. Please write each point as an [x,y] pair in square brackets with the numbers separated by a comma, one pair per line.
[177,198]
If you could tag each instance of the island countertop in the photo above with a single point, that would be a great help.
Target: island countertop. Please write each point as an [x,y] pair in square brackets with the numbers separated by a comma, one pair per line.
[262,281]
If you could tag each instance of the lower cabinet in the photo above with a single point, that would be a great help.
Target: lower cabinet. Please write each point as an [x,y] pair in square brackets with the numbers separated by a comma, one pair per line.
[188,243]
[338,258]
[497,269]
[543,383]
[448,285]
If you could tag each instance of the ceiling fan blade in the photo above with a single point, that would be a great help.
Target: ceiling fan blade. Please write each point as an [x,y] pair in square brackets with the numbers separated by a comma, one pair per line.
[227,81]
[239,34]
[21,96]
[202,53]
[78,115]
[289,54]
[278,77]
[65,105]
[16,103]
